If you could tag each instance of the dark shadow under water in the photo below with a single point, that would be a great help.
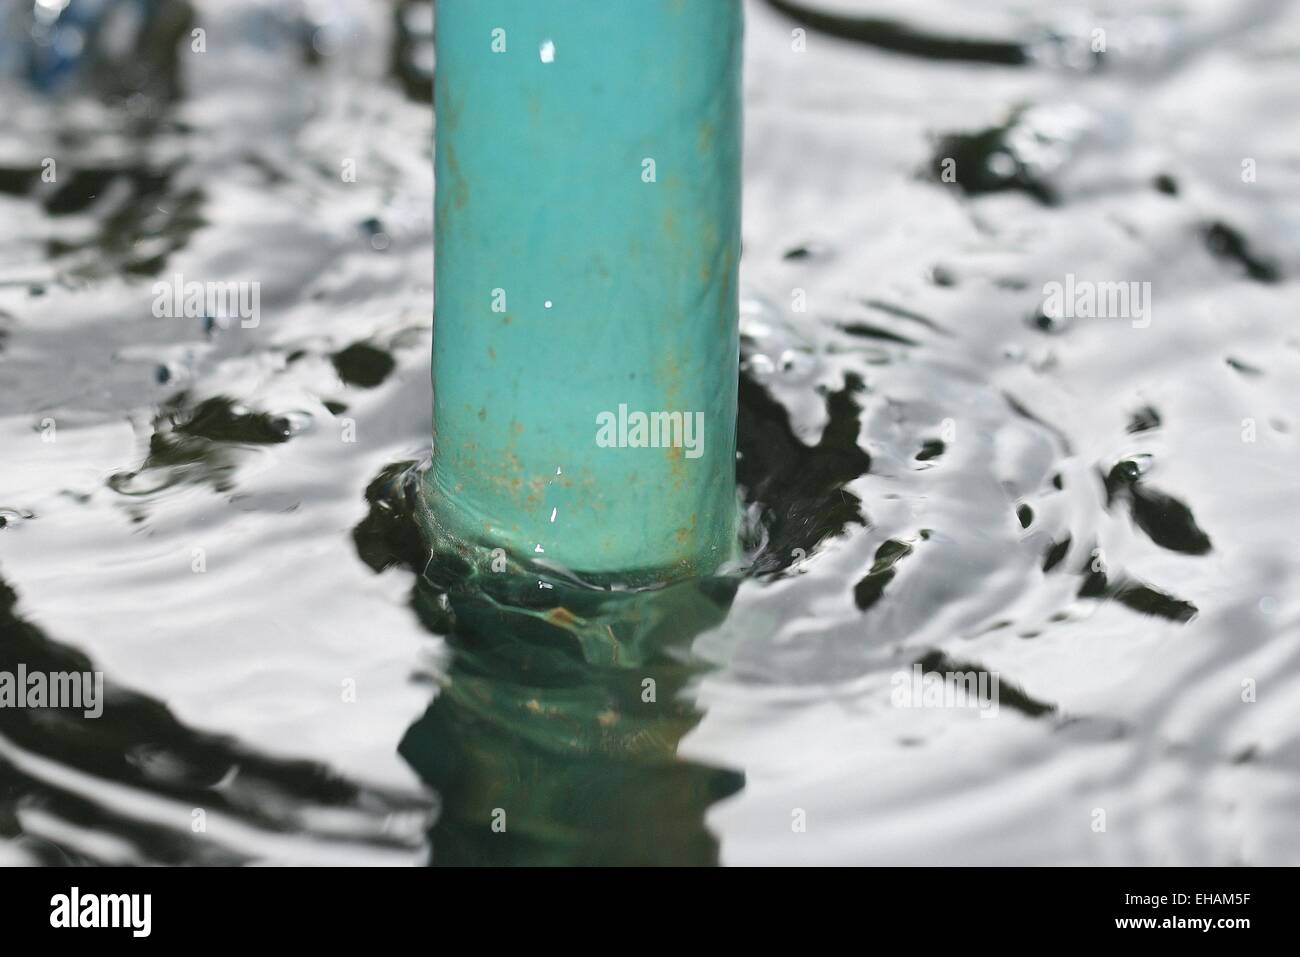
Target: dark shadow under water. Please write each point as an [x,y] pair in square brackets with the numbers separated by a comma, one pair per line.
[138,743]
[554,738]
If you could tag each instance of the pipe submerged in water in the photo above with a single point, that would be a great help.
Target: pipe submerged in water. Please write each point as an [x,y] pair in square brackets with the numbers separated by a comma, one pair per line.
[587,242]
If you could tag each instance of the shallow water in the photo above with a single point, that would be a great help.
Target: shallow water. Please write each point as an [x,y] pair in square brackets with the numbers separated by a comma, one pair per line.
[1100,510]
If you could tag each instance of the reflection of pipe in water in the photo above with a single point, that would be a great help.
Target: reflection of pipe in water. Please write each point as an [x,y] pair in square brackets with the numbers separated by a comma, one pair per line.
[554,738]
[587,241]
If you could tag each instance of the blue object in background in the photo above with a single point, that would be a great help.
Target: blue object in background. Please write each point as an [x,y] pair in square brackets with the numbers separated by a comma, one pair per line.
[52,39]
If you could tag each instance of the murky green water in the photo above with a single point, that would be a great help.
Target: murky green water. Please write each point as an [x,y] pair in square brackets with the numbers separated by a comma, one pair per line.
[221,517]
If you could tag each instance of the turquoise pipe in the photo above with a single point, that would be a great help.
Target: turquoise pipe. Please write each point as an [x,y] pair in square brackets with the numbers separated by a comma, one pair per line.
[587,242]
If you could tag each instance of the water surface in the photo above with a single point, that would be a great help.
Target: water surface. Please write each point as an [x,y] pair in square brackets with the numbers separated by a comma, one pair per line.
[935,471]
